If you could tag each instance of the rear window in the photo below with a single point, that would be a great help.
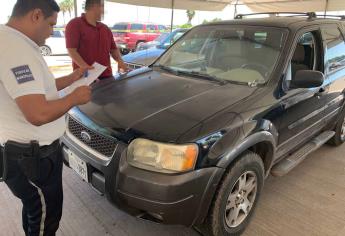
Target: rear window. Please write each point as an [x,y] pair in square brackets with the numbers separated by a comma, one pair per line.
[120,27]
[151,27]
[162,27]
[137,27]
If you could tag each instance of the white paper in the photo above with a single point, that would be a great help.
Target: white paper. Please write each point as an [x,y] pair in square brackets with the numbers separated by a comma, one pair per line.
[86,81]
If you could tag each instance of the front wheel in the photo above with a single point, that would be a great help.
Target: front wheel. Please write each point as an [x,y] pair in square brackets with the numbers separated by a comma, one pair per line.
[339,137]
[237,196]
[45,50]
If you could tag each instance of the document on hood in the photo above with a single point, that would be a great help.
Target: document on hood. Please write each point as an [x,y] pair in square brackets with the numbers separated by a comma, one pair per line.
[90,77]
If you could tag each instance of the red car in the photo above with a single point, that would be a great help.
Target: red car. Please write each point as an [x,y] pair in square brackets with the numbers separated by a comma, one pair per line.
[128,35]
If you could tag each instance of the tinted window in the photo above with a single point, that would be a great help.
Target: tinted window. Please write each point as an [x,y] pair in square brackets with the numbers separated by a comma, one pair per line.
[120,27]
[177,36]
[150,27]
[161,27]
[335,51]
[137,27]
[304,57]
[162,38]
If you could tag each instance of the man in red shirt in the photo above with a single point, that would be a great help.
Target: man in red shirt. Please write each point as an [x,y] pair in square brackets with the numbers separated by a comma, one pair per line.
[89,41]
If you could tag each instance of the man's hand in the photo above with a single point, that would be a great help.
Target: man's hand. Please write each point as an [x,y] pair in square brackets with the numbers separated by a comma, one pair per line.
[81,95]
[122,67]
[79,73]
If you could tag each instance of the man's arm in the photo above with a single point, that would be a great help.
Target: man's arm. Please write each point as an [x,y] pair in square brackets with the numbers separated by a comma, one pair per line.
[63,82]
[38,111]
[115,53]
[76,58]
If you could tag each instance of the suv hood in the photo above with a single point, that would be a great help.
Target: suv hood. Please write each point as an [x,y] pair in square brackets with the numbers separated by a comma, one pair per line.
[157,105]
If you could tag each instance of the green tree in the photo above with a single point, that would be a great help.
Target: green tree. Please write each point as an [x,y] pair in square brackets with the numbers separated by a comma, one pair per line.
[190,16]
[66,6]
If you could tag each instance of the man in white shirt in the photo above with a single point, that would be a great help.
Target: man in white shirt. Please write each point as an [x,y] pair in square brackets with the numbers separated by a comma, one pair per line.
[32,115]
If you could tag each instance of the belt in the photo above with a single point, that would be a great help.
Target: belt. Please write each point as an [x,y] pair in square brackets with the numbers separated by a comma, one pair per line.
[45,150]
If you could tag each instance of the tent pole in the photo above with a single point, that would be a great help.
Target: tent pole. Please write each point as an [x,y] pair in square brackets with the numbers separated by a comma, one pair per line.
[326,6]
[235,10]
[75,8]
[172,15]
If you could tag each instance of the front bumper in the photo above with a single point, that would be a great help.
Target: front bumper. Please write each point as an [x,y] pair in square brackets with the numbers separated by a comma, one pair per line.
[182,199]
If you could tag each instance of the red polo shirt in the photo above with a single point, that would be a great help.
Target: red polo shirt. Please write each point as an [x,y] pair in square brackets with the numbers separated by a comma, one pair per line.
[93,43]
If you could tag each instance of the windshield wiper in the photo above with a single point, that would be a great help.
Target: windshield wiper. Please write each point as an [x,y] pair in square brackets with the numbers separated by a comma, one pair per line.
[202,76]
[167,68]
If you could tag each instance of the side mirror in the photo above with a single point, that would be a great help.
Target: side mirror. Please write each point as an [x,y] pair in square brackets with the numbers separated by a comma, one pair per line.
[307,79]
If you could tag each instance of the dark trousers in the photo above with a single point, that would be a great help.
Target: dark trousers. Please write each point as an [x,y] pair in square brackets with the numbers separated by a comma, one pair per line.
[42,199]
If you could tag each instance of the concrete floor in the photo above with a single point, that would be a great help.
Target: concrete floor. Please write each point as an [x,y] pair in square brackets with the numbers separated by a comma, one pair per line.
[308,201]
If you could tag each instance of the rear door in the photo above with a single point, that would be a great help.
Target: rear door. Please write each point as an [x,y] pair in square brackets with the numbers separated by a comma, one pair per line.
[334,69]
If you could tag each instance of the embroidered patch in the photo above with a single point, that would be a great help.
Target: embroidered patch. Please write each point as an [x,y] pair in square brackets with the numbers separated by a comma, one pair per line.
[23,74]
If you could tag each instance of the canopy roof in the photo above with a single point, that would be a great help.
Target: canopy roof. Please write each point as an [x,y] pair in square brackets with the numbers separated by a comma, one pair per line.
[254,5]
[294,5]
[202,5]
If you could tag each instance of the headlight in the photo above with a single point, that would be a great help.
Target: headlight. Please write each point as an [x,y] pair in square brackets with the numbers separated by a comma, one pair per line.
[166,158]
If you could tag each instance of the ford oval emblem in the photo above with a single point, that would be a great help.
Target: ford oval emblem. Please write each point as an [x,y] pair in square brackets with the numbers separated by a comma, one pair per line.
[85,136]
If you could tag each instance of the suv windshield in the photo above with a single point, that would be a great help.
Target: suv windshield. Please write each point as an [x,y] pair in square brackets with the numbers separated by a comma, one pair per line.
[162,38]
[230,53]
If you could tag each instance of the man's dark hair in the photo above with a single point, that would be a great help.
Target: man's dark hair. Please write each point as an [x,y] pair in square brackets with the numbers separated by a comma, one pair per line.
[90,3]
[23,7]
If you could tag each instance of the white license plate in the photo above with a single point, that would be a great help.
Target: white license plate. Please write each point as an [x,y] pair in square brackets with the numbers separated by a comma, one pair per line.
[78,165]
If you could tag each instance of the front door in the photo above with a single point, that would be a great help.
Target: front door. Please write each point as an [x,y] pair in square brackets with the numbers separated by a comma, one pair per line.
[303,108]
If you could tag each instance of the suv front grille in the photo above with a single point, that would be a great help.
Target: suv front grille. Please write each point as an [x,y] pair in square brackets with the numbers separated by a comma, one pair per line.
[98,142]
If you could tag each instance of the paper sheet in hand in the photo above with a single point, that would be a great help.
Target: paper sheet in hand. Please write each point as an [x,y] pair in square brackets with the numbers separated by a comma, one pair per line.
[92,76]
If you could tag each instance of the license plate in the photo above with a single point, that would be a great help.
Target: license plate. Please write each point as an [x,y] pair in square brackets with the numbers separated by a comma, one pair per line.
[78,165]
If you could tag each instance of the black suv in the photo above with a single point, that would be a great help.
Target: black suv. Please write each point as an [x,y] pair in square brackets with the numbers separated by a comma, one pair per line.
[190,139]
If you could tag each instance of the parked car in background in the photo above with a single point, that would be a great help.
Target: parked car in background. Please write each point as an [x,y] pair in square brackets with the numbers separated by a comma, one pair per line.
[147,53]
[163,41]
[56,44]
[128,35]
[191,139]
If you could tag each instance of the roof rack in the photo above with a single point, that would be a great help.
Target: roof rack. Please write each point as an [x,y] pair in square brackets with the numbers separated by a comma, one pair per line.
[310,15]
[341,17]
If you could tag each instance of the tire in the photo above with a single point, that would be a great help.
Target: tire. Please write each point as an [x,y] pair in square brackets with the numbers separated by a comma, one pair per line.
[339,137]
[45,50]
[250,169]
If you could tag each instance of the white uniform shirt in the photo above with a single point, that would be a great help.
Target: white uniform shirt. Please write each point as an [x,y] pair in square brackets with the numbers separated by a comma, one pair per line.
[23,71]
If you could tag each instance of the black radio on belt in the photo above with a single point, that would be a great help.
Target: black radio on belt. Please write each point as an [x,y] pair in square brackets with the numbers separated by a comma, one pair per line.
[27,156]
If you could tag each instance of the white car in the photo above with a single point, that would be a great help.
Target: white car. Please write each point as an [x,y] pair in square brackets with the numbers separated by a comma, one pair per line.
[55,45]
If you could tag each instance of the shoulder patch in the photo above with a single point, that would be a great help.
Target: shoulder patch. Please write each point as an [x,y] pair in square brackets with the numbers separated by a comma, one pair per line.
[23,74]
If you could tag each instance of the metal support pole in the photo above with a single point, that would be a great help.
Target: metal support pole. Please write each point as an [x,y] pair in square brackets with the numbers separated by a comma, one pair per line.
[326,6]
[235,9]
[172,15]
[75,8]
